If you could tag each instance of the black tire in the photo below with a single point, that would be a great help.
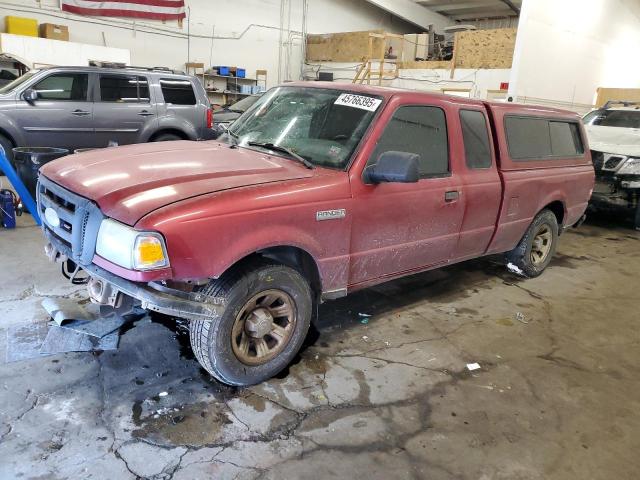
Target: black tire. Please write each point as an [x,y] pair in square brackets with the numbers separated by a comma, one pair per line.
[7,145]
[521,256]
[211,339]
[167,137]
[636,220]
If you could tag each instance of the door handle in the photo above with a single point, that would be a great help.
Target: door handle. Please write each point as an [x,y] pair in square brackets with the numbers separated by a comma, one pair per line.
[80,113]
[451,196]
[145,113]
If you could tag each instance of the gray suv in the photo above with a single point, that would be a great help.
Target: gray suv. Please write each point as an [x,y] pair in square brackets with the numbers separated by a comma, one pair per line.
[87,107]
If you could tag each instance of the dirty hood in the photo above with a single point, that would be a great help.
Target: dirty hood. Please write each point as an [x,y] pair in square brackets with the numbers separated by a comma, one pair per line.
[618,140]
[129,182]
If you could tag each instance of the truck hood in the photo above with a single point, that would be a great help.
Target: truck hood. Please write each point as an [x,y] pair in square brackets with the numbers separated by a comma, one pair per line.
[618,140]
[129,182]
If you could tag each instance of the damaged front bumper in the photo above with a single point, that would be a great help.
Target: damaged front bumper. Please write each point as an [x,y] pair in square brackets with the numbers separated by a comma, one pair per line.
[623,191]
[152,296]
[105,288]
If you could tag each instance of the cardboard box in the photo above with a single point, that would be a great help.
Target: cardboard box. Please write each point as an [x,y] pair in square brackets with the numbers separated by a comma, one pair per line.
[54,32]
[21,26]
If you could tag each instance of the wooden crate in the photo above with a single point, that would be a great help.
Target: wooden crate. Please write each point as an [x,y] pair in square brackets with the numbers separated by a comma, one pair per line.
[341,47]
[603,95]
[485,48]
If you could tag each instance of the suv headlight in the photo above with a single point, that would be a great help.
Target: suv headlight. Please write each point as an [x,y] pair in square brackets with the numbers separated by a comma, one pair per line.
[130,248]
[630,167]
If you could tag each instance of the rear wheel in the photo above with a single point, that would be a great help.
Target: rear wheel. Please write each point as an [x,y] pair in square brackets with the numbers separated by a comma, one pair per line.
[537,247]
[266,318]
[636,220]
[167,137]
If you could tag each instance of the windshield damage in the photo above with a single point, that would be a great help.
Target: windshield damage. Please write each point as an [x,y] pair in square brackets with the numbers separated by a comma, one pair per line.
[313,126]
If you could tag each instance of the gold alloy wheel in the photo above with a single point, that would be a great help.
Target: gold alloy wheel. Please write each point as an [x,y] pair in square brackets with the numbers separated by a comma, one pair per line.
[541,245]
[263,327]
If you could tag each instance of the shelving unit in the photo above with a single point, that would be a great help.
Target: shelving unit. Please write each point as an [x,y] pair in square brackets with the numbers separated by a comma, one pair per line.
[219,88]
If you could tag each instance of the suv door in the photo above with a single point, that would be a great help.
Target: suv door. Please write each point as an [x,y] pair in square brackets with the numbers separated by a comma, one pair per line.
[181,109]
[123,111]
[400,227]
[62,115]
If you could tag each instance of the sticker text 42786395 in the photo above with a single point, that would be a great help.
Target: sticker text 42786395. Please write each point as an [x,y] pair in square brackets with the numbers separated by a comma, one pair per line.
[358,101]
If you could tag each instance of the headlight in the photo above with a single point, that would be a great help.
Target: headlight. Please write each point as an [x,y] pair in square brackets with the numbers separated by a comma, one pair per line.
[630,167]
[130,248]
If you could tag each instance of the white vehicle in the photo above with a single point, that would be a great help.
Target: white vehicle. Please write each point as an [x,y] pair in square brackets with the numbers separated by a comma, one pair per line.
[614,139]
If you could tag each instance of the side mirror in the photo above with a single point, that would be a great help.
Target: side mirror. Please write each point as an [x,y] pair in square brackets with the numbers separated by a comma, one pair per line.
[396,167]
[30,95]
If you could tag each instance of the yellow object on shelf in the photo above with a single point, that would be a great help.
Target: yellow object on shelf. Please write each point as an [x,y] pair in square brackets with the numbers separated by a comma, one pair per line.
[21,26]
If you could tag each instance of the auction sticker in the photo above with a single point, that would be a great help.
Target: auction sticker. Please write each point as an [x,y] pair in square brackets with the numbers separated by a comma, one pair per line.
[358,101]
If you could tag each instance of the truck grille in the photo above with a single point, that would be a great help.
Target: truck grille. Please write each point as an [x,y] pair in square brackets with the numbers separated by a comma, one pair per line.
[612,163]
[80,219]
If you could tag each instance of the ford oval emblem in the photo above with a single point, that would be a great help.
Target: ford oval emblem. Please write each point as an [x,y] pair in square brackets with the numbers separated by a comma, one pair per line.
[52,217]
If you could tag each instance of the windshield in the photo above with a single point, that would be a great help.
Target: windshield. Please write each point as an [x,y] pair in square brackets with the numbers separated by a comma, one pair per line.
[324,126]
[244,104]
[613,118]
[18,81]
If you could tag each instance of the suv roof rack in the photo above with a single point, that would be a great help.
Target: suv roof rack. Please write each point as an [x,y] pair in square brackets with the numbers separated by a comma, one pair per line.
[134,67]
[624,103]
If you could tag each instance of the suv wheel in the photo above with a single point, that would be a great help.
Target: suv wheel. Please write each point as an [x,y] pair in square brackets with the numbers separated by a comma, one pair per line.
[537,247]
[267,314]
[167,137]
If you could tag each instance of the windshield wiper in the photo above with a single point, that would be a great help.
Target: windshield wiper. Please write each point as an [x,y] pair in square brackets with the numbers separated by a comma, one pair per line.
[278,148]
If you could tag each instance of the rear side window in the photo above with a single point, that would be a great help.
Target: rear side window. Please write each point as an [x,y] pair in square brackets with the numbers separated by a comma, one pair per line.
[540,138]
[177,92]
[421,130]
[475,135]
[124,88]
[63,86]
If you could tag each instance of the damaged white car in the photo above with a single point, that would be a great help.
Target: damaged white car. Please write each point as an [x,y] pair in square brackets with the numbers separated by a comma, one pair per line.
[614,139]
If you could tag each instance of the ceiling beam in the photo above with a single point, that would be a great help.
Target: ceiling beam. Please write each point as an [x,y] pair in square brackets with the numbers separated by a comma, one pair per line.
[486,15]
[449,7]
[511,6]
[414,13]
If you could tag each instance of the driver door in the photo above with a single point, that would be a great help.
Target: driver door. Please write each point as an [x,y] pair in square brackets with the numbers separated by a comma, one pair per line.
[402,227]
[62,116]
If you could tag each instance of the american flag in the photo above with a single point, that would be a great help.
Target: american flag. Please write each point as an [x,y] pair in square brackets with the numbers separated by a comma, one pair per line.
[149,9]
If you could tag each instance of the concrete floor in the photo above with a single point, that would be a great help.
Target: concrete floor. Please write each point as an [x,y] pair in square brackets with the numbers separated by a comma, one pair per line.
[557,395]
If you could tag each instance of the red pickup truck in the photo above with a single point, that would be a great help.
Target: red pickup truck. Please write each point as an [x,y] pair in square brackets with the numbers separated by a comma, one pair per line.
[318,190]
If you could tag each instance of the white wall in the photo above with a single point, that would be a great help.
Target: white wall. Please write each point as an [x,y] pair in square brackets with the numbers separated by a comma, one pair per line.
[566,49]
[478,81]
[246,32]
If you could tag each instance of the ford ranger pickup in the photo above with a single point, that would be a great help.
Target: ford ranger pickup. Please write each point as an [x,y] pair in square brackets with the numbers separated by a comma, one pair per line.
[317,190]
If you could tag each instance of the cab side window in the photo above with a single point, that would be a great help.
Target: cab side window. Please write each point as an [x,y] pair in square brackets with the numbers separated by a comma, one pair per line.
[421,130]
[63,87]
[477,150]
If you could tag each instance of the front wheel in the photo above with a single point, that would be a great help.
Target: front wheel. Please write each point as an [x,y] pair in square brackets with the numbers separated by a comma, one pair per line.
[537,247]
[267,314]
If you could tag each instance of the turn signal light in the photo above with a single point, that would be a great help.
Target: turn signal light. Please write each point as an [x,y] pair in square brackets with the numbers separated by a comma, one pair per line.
[149,253]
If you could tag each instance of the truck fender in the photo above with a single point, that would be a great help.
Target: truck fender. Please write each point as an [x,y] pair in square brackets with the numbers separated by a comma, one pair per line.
[279,236]
[554,198]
